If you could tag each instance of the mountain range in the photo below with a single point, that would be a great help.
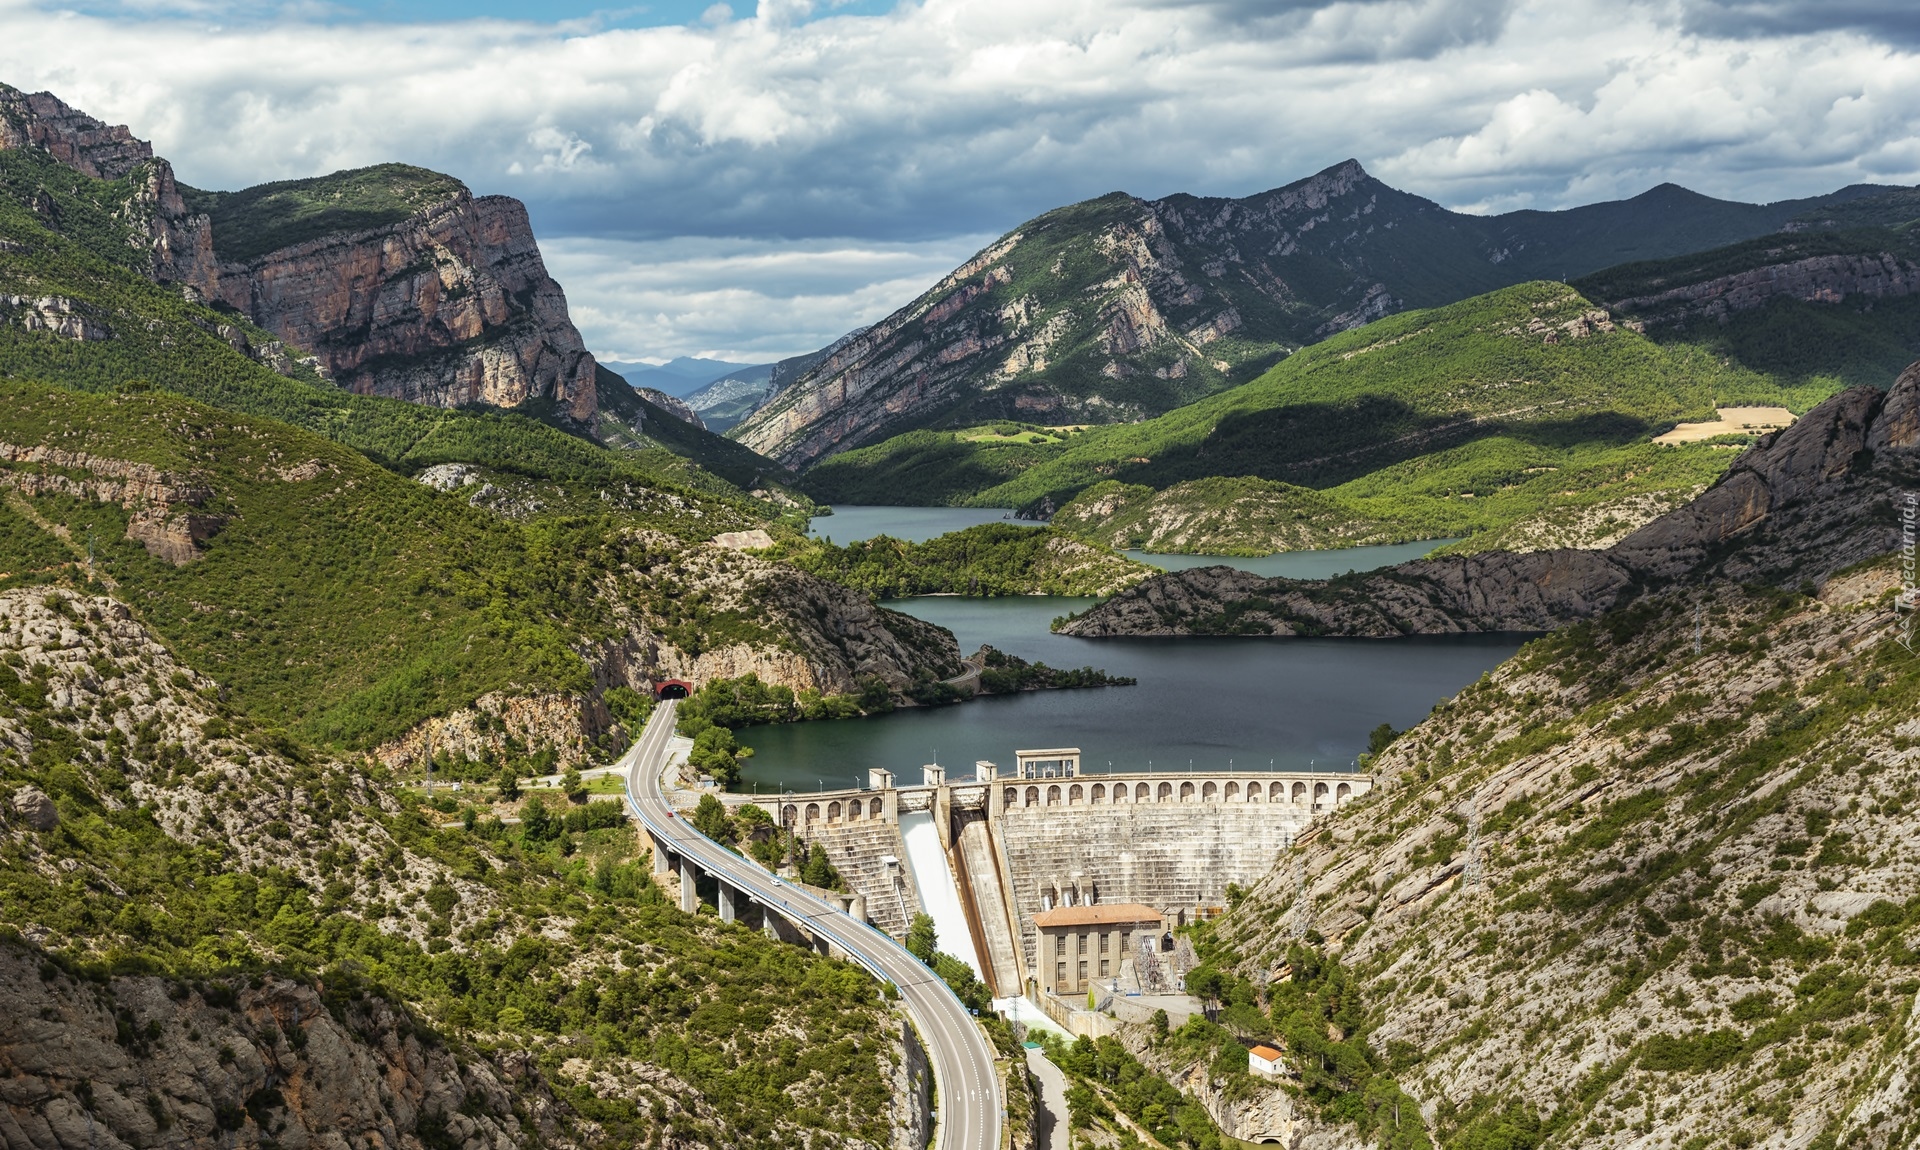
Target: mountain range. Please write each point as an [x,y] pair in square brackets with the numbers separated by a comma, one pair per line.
[1121,308]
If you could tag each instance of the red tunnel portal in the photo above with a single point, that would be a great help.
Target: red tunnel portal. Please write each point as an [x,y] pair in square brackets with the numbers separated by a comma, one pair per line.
[672,689]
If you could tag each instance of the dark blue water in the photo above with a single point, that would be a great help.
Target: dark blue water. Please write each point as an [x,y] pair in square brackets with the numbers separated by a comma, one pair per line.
[1214,703]
[1299,564]
[850,523]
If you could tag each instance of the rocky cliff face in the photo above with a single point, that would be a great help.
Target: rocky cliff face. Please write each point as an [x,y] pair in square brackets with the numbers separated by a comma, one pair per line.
[175,244]
[1803,503]
[451,306]
[1119,308]
[1814,279]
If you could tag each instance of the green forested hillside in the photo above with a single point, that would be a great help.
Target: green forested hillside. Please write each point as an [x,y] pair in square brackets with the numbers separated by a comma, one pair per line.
[1452,421]
[335,598]
[989,560]
[1803,350]
[257,220]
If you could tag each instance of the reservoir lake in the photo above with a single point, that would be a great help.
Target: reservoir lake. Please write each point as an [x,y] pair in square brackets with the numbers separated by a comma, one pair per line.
[1252,704]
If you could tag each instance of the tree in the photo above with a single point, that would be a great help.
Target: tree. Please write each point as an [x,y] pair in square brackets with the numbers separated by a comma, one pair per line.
[509,785]
[573,786]
[537,822]
[1207,982]
[710,819]
[818,870]
[717,753]
[1380,738]
[1160,1024]
[922,941]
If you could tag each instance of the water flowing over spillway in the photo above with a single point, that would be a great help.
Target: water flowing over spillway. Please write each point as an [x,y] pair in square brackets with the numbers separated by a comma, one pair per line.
[933,878]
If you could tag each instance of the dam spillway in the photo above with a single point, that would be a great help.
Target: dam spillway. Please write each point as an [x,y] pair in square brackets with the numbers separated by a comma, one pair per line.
[939,894]
[986,855]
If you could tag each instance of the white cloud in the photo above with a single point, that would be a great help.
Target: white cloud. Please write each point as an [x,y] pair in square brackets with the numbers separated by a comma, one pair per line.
[959,117]
[745,300]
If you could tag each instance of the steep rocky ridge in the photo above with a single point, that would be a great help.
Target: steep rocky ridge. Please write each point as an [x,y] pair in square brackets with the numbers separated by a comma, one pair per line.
[1802,504]
[449,306]
[1119,308]
[1642,885]
[452,306]
[174,875]
[1818,267]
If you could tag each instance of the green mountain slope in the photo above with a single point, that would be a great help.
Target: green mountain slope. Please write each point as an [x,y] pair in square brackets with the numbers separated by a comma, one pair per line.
[1463,419]
[240,941]
[1620,889]
[1119,308]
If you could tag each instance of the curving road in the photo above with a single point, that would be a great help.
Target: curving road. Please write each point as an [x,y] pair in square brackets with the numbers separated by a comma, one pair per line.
[966,1094]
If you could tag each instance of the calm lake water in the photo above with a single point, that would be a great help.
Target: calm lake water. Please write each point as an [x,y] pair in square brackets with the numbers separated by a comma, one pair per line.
[1248,703]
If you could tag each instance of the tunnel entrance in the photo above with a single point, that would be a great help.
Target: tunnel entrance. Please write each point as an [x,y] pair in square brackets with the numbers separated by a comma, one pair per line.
[672,689]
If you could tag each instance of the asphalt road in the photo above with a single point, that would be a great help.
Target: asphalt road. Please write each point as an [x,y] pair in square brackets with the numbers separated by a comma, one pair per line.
[966,1098]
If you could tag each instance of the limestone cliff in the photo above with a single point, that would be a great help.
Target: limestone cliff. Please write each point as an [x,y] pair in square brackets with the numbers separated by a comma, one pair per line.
[1803,503]
[449,305]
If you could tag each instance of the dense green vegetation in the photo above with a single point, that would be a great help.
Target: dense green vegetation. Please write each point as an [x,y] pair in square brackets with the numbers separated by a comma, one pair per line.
[988,560]
[250,223]
[688,994]
[1220,516]
[336,598]
[1461,419]
[1803,351]
[926,468]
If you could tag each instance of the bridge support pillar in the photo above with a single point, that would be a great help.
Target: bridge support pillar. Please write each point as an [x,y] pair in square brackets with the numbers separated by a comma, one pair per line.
[726,902]
[662,864]
[689,896]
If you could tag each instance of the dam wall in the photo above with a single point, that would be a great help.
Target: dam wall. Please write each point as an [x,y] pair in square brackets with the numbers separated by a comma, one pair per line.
[861,852]
[1167,856]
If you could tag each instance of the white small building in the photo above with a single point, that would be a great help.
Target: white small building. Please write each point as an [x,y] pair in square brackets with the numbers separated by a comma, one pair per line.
[1264,1060]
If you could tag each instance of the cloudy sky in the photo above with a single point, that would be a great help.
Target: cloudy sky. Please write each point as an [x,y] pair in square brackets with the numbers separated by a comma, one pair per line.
[749,182]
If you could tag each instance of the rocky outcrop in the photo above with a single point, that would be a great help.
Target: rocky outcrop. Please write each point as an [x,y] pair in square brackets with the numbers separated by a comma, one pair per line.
[1804,502]
[1814,279]
[671,404]
[142,1060]
[177,243]
[166,518]
[452,306]
[88,146]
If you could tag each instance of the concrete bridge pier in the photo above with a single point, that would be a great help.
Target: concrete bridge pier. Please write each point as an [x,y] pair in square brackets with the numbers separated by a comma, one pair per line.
[662,858]
[689,896]
[726,902]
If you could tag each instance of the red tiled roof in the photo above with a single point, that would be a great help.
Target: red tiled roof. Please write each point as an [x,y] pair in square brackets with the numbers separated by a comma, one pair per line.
[1266,1052]
[1101,914]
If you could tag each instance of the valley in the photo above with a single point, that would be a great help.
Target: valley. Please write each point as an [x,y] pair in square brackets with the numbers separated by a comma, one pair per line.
[1463,657]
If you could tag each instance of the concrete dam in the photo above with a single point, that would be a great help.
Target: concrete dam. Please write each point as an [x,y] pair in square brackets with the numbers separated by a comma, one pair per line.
[1052,882]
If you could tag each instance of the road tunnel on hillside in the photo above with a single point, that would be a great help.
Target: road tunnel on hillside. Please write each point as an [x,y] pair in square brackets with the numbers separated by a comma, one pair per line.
[672,689]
